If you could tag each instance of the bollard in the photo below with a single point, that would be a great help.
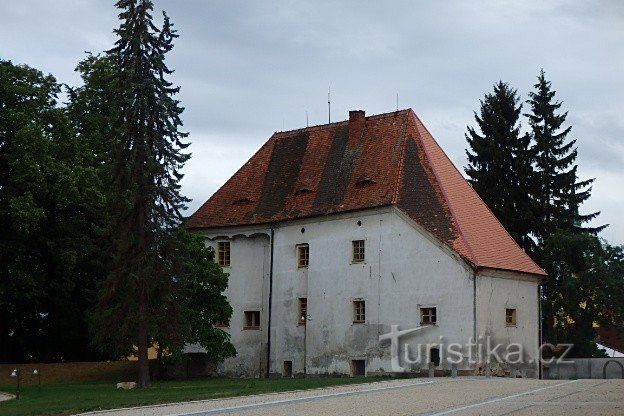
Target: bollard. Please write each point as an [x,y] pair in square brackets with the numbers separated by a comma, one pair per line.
[488,371]
[514,372]
[431,370]
[523,373]
[454,370]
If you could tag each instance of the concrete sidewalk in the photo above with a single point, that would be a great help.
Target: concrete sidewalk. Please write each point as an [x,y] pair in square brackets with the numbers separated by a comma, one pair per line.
[434,397]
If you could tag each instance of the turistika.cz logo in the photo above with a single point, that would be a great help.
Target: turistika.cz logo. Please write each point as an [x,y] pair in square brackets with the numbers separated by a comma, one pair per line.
[480,351]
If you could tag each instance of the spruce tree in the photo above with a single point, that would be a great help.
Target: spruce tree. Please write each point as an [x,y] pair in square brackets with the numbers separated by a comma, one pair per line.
[557,195]
[139,294]
[556,190]
[499,162]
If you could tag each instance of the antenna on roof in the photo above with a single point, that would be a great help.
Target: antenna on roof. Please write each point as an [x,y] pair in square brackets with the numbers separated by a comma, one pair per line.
[329,104]
[307,123]
[397,101]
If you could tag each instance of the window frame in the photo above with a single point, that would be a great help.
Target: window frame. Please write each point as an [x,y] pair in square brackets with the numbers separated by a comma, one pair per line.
[513,315]
[224,256]
[359,311]
[302,311]
[303,261]
[221,323]
[358,251]
[429,315]
[255,322]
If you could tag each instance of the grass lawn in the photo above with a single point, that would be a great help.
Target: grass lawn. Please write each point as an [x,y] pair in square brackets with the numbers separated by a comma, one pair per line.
[69,398]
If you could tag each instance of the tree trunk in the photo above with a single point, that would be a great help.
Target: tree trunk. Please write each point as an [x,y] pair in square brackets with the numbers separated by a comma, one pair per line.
[143,344]
[158,368]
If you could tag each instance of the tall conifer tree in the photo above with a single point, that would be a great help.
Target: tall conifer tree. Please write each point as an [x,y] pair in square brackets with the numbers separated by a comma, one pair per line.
[557,195]
[499,162]
[138,296]
[557,192]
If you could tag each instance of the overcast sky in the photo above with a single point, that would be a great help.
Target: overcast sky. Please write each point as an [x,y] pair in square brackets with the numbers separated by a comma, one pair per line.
[248,69]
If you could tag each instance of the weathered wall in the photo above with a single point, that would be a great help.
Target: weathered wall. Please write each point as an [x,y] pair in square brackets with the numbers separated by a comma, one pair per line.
[405,268]
[497,291]
[247,291]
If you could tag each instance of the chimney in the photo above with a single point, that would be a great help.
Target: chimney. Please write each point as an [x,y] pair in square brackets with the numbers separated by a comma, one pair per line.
[357,123]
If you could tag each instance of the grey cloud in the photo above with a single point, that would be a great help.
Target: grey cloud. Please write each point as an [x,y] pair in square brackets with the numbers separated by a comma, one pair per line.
[250,68]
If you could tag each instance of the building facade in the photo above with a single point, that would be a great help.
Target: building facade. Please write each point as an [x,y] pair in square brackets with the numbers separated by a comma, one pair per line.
[335,236]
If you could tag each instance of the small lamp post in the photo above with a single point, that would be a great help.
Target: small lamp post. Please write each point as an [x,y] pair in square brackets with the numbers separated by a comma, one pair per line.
[16,374]
[37,373]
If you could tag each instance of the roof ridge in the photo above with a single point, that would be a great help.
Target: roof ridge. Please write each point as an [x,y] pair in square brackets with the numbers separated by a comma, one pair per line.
[337,123]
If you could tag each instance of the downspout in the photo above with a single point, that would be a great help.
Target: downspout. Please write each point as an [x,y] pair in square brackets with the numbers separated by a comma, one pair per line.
[540,336]
[474,309]
[268,357]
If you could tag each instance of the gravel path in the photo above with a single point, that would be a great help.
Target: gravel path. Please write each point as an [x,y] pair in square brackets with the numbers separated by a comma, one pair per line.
[6,396]
[434,397]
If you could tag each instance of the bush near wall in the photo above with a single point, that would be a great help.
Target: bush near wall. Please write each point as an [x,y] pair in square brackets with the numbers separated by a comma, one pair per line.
[111,371]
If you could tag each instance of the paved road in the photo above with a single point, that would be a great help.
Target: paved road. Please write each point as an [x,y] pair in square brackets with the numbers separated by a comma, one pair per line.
[437,397]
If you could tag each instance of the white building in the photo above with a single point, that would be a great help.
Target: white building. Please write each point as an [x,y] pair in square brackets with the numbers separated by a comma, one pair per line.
[334,233]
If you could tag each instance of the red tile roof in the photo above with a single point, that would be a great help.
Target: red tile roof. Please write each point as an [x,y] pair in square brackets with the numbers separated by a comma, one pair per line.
[366,162]
[611,337]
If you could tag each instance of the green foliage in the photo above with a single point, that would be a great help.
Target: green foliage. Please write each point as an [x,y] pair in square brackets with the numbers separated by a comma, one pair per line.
[585,287]
[90,210]
[204,303]
[499,162]
[530,182]
[49,197]
[557,194]
[163,286]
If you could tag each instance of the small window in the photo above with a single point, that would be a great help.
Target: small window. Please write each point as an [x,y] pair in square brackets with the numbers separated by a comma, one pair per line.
[428,316]
[359,311]
[287,369]
[222,322]
[510,317]
[358,368]
[252,320]
[303,310]
[223,253]
[358,251]
[434,356]
[303,255]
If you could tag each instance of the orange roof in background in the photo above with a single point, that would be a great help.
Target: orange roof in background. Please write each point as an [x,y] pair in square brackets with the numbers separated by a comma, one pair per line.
[366,162]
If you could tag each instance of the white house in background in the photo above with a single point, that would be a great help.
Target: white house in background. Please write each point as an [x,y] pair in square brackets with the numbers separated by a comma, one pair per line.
[332,234]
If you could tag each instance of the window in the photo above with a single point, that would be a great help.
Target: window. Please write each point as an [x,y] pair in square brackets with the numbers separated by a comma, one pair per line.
[510,317]
[359,311]
[358,368]
[358,251]
[222,322]
[303,310]
[223,253]
[434,356]
[252,320]
[287,369]
[303,255]
[428,316]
